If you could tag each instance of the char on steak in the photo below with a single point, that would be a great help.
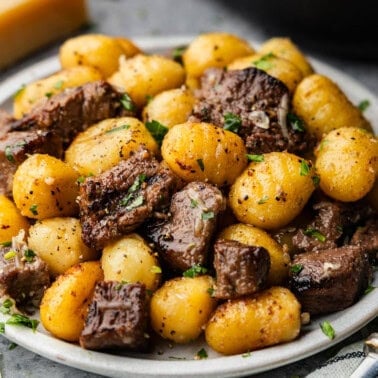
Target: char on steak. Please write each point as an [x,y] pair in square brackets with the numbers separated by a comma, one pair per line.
[121,199]
[330,280]
[183,239]
[23,275]
[117,317]
[259,100]
[15,146]
[240,269]
[74,110]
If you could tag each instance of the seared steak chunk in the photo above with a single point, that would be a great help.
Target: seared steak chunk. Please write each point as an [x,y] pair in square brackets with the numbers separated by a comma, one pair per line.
[117,317]
[183,240]
[333,221]
[330,280]
[23,275]
[119,200]
[15,146]
[366,237]
[240,269]
[260,101]
[5,121]
[74,110]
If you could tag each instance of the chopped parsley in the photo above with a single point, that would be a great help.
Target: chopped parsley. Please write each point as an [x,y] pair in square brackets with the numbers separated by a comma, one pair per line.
[49,94]
[193,203]
[157,130]
[136,202]
[155,269]
[262,200]
[6,244]
[263,63]
[305,168]
[255,158]
[115,129]
[6,306]
[201,354]
[200,164]
[296,268]
[18,319]
[316,180]
[206,215]
[323,143]
[149,98]
[295,122]
[9,154]
[2,327]
[194,271]
[232,122]
[81,179]
[59,84]
[118,287]
[19,91]
[29,255]
[327,329]
[309,231]
[33,209]
[363,105]
[129,200]
[10,254]
[177,54]
[369,289]
[127,102]
[211,291]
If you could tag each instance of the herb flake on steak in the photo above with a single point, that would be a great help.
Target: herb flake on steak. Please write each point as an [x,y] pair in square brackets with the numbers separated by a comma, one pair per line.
[117,317]
[119,200]
[260,101]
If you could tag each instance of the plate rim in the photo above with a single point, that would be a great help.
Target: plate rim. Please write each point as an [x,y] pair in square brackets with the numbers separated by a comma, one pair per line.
[223,366]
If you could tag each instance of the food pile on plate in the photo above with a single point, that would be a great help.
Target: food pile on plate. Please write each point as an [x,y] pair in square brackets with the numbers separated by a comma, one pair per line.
[213,188]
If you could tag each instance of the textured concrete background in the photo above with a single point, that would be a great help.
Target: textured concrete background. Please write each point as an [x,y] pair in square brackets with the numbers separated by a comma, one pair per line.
[173,17]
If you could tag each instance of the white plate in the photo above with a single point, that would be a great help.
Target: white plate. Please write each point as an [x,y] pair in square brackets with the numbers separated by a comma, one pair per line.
[168,361]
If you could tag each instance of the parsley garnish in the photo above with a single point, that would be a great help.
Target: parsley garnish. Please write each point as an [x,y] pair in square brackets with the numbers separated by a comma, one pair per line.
[255,158]
[232,122]
[149,98]
[363,105]
[138,201]
[316,180]
[295,122]
[200,164]
[369,289]
[309,231]
[206,215]
[201,354]
[194,271]
[127,102]
[211,291]
[6,306]
[177,54]
[129,201]
[19,91]
[262,200]
[29,255]
[118,287]
[18,319]
[2,327]
[6,244]
[327,329]
[155,269]
[59,84]
[305,168]
[33,209]
[10,254]
[49,94]
[296,268]
[193,203]
[118,128]
[81,179]
[157,130]
[9,154]
[263,63]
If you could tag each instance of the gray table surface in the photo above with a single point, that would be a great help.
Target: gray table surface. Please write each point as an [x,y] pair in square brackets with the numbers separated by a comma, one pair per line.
[133,18]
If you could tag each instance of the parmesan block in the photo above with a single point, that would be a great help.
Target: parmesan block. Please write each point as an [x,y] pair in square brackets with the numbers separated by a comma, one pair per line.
[26,25]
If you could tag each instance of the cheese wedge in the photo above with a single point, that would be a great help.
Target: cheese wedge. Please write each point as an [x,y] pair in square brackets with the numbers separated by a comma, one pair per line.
[26,25]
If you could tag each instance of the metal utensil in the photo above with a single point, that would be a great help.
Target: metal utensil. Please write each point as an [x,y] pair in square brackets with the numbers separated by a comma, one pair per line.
[369,366]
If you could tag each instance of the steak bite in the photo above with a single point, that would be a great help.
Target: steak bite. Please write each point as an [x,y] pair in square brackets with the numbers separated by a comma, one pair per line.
[15,146]
[260,101]
[121,199]
[183,239]
[366,237]
[330,280]
[117,317]
[240,269]
[74,110]
[23,275]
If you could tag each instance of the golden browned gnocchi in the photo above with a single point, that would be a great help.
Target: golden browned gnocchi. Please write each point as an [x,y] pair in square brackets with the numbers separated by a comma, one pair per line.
[347,161]
[270,317]
[170,108]
[65,303]
[130,259]
[105,144]
[44,187]
[250,235]
[324,107]
[58,242]
[204,152]
[144,76]
[181,307]
[41,90]
[11,221]
[271,193]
